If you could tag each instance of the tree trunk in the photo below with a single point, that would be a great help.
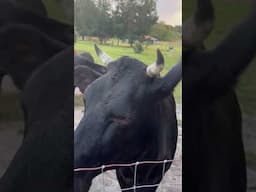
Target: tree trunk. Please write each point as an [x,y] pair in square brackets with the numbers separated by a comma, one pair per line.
[101,41]
[131,42]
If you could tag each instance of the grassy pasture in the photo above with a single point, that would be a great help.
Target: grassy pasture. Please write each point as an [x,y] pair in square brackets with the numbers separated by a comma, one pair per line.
[148,56]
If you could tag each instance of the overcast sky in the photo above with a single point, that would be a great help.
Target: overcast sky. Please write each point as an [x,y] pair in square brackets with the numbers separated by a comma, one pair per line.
[170,11]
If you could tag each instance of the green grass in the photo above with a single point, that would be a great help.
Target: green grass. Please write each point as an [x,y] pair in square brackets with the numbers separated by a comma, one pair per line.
[148,56]
[228,15]
[54,11]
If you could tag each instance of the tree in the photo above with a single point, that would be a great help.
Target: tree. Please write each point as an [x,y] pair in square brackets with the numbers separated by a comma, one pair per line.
[129,19]
[104,21]
[93,18]
[86,17]
[134,18]
[165,32]
[118,26]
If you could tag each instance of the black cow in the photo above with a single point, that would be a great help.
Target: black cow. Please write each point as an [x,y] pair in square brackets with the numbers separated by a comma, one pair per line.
[44,162]
[13,13]
[23,49]
[130,116]
[40,63]
[213,153]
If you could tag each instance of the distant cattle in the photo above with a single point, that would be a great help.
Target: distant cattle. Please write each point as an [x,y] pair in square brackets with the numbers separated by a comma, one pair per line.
[213,153]
[129,116]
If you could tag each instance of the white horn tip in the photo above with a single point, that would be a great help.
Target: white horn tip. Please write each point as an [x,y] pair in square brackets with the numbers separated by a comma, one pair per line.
[154,70]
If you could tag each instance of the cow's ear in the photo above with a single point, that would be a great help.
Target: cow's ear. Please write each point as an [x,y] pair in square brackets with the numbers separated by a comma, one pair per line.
[96,67]
[84,76]
[30,46]
[89,62]
[27,48]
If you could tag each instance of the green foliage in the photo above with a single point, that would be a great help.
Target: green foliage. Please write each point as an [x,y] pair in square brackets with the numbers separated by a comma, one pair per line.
[137,47]
[165,32]
[104,22]
[135,17]
[86,17]
[56,11]
[93,18]
[128,19]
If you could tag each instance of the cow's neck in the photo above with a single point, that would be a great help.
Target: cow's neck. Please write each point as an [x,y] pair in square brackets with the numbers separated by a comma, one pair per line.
[159,125]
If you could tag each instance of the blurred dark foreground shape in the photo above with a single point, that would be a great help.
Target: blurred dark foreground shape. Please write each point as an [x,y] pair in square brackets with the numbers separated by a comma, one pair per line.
[37,53]
[213,151]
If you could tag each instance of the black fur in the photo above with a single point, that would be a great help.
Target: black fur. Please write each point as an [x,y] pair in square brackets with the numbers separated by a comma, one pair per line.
[213,153]
[125,121]
[44,161]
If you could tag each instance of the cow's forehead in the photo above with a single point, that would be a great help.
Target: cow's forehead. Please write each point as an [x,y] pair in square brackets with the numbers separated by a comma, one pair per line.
[125,63]
[123,75]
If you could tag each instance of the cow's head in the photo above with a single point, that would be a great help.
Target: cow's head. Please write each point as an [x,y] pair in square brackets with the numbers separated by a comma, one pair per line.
[23,49]
[122,111]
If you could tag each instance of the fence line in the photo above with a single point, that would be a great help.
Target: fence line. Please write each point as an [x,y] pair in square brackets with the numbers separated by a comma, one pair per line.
[122,165]
[136,164]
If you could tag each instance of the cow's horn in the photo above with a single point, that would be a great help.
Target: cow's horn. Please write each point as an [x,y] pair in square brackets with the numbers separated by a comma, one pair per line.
[155,69]
[103,56]
[197,28]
